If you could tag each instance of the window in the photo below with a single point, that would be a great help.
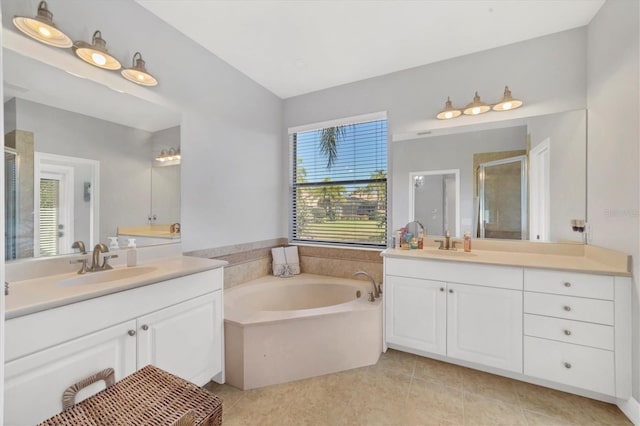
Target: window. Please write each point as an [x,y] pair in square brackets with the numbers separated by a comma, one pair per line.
[339,184]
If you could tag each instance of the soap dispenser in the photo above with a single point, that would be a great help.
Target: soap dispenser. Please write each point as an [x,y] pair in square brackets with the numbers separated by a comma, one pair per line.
[132,257]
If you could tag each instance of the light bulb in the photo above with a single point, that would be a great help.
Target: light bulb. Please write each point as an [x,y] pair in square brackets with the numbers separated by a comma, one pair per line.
[98,58]
[475,110]
[448,114]
[44,31]
[506,105]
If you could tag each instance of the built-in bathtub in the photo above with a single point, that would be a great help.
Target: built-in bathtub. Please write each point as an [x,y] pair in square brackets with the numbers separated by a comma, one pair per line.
[283,329]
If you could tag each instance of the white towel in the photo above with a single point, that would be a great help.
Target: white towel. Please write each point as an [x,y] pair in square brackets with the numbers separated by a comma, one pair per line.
[285,261]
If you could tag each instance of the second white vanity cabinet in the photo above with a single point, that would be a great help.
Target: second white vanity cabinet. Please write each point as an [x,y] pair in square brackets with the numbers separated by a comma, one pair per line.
[465,313]
[175,325]
[562,329]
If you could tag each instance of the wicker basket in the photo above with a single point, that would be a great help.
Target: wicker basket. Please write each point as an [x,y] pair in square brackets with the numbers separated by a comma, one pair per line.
[150,396]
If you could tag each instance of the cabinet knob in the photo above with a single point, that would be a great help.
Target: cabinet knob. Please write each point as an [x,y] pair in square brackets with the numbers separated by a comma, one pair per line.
[145,327]
[567,308]
[450,290]
[567,284]
[567,332]
[131,332]
[441,288]
[567,365]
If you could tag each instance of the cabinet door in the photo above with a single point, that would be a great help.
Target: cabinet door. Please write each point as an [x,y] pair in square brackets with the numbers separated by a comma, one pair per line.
[485,325]
[34,383]
[184,339]
[415,313]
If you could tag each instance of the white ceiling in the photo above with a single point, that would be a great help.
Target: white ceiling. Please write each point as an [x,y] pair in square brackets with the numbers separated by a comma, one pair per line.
[293,47]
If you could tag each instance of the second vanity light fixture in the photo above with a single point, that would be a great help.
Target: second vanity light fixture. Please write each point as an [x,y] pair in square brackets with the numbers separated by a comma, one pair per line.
[171,154]
[42,29]
[478,107]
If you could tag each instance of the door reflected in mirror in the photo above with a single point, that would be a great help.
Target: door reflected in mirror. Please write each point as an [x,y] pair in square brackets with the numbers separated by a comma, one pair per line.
[437,200]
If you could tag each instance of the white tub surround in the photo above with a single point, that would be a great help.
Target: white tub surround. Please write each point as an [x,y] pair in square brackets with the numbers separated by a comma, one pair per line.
[561,320]
[283,329]
[56,335]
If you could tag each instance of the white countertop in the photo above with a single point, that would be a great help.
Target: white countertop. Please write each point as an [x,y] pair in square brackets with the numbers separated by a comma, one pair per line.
[563,262]
[38,294]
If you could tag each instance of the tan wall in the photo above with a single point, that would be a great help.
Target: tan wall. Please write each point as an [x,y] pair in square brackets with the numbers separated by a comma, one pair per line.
[253,260]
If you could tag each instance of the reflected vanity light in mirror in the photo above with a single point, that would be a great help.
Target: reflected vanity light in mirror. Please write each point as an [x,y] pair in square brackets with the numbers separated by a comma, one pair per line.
[138,72]
[478,107]
[96,53]
[171,154]
[42,28]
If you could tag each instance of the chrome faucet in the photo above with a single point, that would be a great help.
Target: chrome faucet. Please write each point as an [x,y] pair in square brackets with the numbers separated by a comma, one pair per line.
[376,290]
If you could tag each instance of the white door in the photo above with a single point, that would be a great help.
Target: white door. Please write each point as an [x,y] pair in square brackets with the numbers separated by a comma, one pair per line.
[416,314]
[485,325]
[54,214]
[34,384]
[185,339]
[539,187]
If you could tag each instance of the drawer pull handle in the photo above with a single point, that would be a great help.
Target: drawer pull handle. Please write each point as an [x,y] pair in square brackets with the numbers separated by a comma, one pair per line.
[567,365]
[131,332]
[145,327]
[441,288]
[567,308]
[567,332]
[567,284]
[450,290]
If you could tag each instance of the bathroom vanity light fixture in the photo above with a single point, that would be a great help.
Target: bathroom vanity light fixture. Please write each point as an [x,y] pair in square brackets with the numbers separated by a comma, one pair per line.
[42,28]
[449,111]
[171,154]
[507,103]
[96,53]
[478,107]
[138,72]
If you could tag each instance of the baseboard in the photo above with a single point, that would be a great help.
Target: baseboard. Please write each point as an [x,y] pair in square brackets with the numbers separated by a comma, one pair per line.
[631,409]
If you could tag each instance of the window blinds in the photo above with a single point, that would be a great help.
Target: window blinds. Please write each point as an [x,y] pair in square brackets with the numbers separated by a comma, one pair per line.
[339,184]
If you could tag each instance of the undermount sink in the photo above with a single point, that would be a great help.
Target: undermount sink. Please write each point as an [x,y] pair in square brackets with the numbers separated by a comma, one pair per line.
[452,253]
[106,276]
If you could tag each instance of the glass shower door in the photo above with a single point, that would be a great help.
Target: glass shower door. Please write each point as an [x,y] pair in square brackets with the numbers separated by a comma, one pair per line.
[503,198]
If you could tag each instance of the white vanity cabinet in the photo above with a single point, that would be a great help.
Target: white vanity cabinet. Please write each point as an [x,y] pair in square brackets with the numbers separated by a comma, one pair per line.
[464,312]
[574,330]
[566,330]
[184,339]
[416,312]
[175,325]
[484,325]
[34,384]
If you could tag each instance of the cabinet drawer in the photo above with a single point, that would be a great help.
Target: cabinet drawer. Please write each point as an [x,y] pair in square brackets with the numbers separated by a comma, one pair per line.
[575,308]
[573,365]
[569,331]
[569,283]
[456,272]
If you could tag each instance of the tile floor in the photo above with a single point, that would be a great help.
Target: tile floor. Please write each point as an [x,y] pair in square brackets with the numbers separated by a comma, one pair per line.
[405,389]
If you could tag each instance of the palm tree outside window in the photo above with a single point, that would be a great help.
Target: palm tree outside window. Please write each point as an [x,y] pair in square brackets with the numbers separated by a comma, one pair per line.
[339,184]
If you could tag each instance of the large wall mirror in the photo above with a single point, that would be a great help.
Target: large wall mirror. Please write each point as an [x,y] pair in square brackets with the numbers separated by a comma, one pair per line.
[80,162]
[521,179]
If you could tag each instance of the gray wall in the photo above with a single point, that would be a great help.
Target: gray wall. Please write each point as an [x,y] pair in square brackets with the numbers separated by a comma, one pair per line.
[444,153]
[165,179]
[613,153]
[567,133]
[124,154]
[548,73]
